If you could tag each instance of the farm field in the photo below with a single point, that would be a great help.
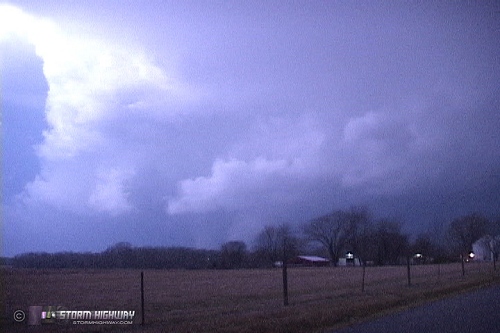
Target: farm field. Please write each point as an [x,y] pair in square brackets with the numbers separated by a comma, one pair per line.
[232,300]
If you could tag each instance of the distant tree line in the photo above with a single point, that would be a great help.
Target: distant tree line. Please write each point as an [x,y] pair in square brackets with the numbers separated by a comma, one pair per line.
[121,255]
[378,241]
[372,241]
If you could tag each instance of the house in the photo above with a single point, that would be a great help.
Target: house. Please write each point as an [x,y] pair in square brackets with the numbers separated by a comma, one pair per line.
[349,260]
[309,261]
[483,246]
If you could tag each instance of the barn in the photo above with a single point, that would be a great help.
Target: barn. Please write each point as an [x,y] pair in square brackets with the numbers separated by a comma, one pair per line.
[309,261]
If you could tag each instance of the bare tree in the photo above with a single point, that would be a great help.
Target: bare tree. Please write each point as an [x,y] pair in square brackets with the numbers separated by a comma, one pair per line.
[360,238]
[466,230]
[271,243]
[233,254]
[331,231]
[391,243]
[278,244]
[495,250]
[423,248]
[268,243]
[359,235]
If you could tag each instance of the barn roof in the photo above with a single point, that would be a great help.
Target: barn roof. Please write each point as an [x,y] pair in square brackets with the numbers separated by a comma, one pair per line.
[313,258]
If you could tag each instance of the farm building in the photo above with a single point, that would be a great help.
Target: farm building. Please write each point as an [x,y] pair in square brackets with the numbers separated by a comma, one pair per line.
[349,260]
[482,248]
[309,261]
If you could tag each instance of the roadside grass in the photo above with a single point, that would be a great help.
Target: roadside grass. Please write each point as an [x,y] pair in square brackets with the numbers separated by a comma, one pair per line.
[234,300]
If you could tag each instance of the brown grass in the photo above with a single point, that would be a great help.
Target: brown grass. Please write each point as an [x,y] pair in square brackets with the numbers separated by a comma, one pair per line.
[234,300]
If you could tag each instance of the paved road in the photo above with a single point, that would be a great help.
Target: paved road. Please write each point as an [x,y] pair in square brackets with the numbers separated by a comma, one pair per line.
[474,312]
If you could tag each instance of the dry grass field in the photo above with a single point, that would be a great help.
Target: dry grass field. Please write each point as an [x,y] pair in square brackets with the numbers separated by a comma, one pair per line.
[233,300]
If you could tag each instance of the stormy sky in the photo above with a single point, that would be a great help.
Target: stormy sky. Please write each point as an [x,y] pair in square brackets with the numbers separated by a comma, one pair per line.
[192,123]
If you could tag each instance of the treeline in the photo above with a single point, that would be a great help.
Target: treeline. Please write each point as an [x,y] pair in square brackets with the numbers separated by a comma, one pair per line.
[354,231]
[121,255]
[382,242]
[378,241]
[232,255]
[372,241]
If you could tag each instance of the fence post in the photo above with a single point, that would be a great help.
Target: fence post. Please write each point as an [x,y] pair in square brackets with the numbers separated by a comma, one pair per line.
[408,270]
[363,280]
[142,297]
[285,285]
[285,273]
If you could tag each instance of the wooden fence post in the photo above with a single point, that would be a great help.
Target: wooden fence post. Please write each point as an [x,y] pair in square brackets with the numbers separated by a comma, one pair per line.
[285,272]
[363,280]
[285,284]
[408,270]
[142,297]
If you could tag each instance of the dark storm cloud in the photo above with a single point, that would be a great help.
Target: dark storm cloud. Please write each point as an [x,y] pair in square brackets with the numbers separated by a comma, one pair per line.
[206,122]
